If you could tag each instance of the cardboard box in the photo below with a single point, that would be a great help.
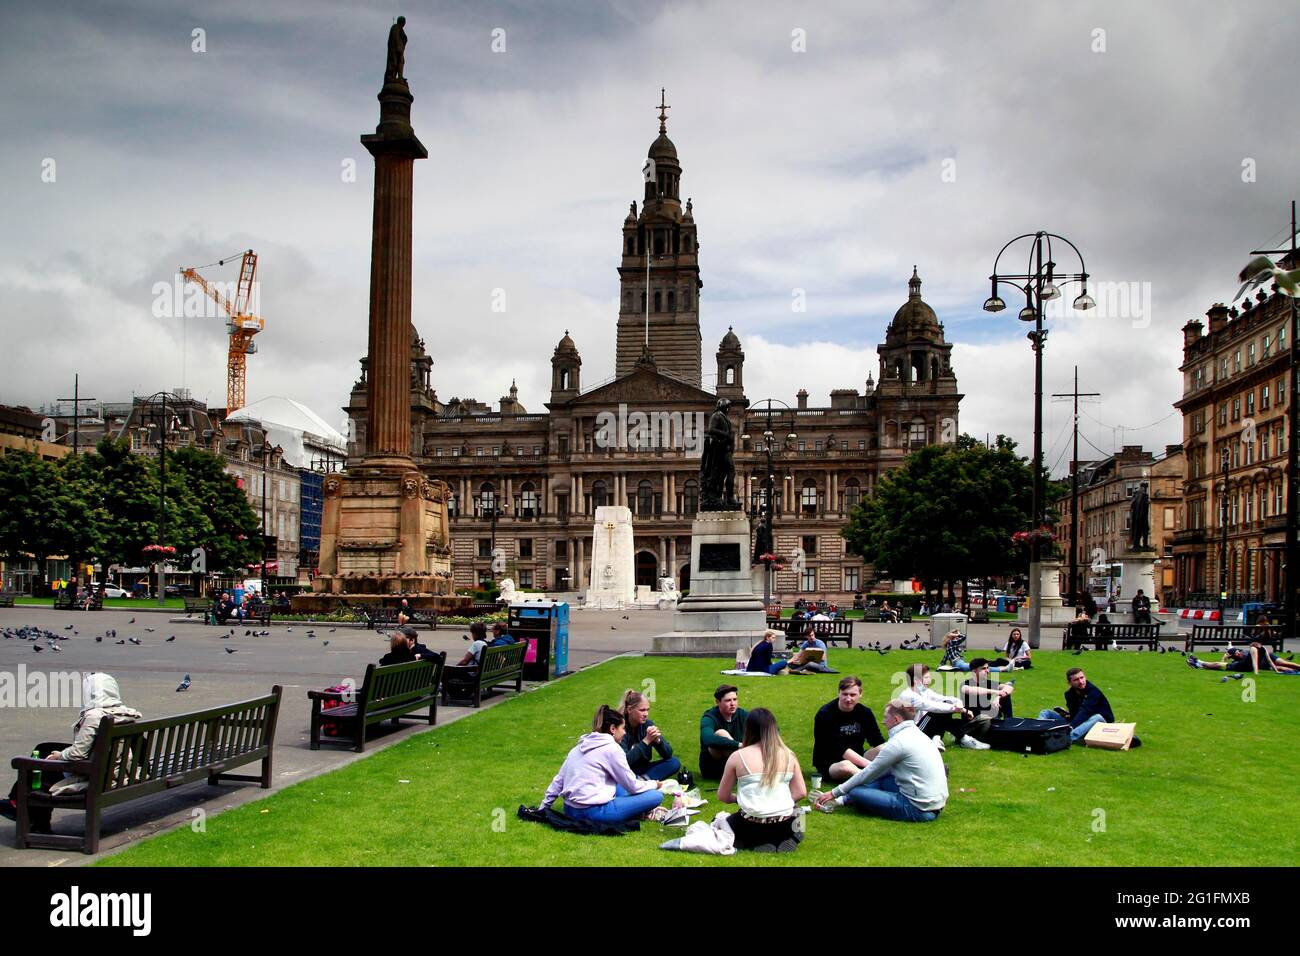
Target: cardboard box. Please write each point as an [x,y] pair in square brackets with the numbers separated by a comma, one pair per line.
[1111,736]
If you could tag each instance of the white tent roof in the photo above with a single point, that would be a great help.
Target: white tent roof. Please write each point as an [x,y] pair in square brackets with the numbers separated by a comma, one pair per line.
[292,425]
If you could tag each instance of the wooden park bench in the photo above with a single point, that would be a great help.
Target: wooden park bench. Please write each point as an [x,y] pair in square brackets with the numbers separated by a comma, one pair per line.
[382,617]
[905,614]
[7,598]
[1223,635]
[63,601]
[871,615]
[258,611]
[496,666]
[386,693]
[979,615]
[1103,635]
[132,760]
[837,631]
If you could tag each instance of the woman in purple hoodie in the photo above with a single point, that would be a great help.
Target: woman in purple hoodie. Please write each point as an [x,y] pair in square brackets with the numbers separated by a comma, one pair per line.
[595,780]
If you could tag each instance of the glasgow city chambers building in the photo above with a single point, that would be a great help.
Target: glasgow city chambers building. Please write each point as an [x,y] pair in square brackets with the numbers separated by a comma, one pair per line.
[525,485]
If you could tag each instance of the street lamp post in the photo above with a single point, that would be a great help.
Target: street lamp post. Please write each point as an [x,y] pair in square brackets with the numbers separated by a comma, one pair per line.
[1040,283]
[163,424]
[1223,541]
[767,511]
[265,451]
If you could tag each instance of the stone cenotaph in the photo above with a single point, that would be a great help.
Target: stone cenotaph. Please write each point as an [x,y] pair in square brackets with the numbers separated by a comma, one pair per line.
[722,614]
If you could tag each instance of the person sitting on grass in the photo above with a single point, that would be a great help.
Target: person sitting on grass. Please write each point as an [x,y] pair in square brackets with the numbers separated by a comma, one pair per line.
[595,780]
[1017,651]
[722,728]
[764,779]
[1085,707]
[811,657]
[984,698]
[841,730]
[761,657]
[1249,660]
[954,649]
[906,781]
[643,740]
[936,713]
[101,698]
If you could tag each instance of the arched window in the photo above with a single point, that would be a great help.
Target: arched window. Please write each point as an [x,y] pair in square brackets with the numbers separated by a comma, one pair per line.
[852,494]
[934,368]
[631,243]
[642,301]
[686,300]
[808,496]
[528,499]
[487,498]
[645,498]
[672,301]
[686,243]
[564,379]
[729,375]
[598,494]
[690,496]
[658,301]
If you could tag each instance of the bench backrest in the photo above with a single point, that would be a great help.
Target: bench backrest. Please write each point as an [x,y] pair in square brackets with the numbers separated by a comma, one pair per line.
[499,661]
[1126,630]
[1236,633]
[396,684]
[133,759]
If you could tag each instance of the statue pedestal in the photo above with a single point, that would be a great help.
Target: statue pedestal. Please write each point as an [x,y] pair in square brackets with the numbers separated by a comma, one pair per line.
[1137,570]
[722,614]
[613,573]
[1054,611]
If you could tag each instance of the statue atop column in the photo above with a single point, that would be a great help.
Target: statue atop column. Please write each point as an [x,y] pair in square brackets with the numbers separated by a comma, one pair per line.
[717,472]
[1139,519]
[396,51]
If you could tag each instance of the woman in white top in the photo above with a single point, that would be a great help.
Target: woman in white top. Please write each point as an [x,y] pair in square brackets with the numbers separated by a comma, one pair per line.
[764,778]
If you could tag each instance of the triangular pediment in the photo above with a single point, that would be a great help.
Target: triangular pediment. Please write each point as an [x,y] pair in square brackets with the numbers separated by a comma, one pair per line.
[645,385]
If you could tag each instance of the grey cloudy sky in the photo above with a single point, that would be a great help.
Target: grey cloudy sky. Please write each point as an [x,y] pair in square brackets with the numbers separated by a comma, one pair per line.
[926,133]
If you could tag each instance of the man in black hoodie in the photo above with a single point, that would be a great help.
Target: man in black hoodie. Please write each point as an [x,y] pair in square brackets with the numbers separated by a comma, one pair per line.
[1085,706]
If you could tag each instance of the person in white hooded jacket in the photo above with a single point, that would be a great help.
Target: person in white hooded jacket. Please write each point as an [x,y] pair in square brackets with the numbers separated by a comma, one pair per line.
[100,698]
[596,781]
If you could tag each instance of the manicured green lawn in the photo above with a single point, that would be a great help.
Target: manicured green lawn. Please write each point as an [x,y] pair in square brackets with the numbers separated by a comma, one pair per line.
[1210,760]
[138,604]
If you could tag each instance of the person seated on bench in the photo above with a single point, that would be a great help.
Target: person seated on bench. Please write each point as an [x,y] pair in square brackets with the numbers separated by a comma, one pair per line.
[404,612]
[811,657]
[1017,652]
[954,649]
[936,713]
[1141,608]
[764,779]
[478,631]
[1085,706]
[887,613]
[761,658]
[595,780]
[984,698]
[499,636]
[906,781]
[100,698]
[419,651]
[225,607]
[722,728]
[1250,660]
[643,740]
[399,650]
[841,730]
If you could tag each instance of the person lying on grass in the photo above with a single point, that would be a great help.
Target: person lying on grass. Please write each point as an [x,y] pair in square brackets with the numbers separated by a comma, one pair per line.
[595,779]
[905,782]
[643,740]
[764,779]
[1249,660]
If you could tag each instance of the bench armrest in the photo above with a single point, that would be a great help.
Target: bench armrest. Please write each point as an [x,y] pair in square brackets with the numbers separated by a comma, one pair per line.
[83,767]
[326,694]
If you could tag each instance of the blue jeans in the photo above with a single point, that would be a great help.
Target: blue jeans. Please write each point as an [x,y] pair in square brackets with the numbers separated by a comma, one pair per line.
[1076,733]
[777,666]
[662,769]
[880,798]
[623,807]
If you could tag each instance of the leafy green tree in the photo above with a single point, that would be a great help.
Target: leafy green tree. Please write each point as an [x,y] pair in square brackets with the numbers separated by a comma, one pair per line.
[26,500]
[76,518]
[128,486]
[219,517]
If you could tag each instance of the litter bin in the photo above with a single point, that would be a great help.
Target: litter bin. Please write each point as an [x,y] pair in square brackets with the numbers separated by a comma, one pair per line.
[941,624]
[545,624]
[1008,603]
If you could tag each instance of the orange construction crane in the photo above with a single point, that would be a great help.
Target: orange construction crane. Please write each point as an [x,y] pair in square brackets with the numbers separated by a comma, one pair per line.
[240,323]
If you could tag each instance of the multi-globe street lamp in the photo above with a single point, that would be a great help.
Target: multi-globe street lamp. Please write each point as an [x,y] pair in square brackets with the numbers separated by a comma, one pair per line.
[765,508]
[164,422]
[1040,283]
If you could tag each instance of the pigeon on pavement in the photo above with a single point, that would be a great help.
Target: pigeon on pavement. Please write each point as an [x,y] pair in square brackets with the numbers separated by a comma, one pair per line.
[185,684]
[170,639]
[231,650]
